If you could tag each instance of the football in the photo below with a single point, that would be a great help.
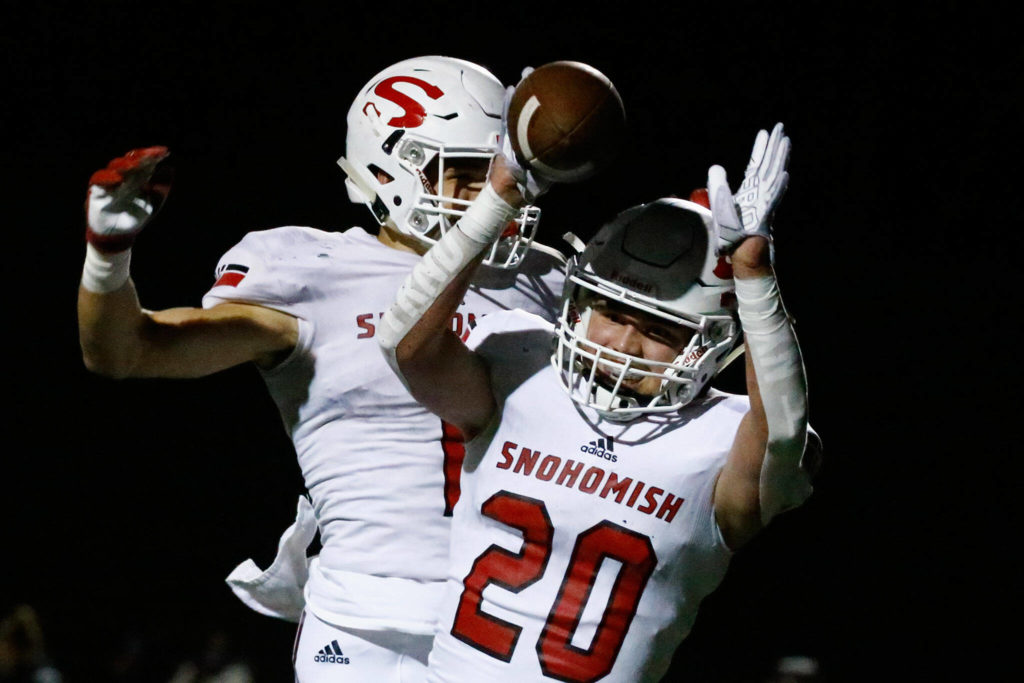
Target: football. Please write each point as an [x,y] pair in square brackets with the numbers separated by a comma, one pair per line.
[565,121]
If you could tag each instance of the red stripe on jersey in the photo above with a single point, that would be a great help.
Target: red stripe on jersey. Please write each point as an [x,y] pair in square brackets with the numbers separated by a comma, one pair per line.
[230,278]
[454,453]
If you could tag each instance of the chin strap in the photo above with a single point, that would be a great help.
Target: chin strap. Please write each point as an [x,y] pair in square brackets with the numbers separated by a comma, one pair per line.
[478,228]
[773,347]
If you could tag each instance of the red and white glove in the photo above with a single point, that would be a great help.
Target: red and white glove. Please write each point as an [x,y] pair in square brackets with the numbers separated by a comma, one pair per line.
[750,211]
[122,198]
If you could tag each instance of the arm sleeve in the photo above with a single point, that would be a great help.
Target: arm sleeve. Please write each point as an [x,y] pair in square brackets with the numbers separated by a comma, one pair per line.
[254,272]
[770,339]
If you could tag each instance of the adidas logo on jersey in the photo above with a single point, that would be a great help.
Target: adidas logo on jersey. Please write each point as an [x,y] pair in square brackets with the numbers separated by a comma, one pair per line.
[331,654]
[602,448]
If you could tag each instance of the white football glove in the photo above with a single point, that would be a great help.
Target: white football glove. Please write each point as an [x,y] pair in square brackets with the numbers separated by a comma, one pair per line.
[750,211]
[530,185]
[123,197]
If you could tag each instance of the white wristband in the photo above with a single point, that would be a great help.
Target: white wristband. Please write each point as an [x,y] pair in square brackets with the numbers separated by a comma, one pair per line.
[104,273]
[487,217]
[782,383]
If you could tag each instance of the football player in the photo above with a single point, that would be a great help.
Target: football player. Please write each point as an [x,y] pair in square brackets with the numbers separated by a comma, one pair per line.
[304,306]
[606,485]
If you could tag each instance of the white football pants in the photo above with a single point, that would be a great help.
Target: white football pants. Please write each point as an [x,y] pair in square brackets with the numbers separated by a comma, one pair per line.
[326,653]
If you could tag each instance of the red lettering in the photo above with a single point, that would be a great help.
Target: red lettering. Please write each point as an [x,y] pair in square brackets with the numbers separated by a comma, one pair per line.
[527,459]
[652,500]
[591,480]
[506,452]
[548,466]
[363,321]
[413,113]
[669,508]
[636,493]
[616,486]
[569,472]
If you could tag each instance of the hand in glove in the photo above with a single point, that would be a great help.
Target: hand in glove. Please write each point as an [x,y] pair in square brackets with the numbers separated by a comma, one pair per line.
[123,197]
[530,184]
[750,211]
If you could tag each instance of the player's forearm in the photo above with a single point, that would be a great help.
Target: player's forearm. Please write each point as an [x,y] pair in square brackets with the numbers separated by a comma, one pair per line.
[414,333]
[109,326]
[421,345]
[778,393]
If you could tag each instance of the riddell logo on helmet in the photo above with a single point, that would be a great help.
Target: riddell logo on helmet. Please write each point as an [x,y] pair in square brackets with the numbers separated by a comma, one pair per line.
[413,112]
[695,355]
[632,282]
[427,187]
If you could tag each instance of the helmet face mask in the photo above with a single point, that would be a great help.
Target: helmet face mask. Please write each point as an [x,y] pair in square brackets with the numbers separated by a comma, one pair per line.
[653,260]
[409,123]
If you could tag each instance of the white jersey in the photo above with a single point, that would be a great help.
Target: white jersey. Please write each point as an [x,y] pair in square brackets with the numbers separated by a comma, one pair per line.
[581,548]
[381,471]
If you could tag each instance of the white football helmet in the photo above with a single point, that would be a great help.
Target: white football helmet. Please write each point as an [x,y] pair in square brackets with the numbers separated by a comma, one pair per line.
[409,121]
[654,258]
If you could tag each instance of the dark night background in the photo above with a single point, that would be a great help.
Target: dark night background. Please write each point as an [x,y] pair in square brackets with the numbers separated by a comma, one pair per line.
[125,504]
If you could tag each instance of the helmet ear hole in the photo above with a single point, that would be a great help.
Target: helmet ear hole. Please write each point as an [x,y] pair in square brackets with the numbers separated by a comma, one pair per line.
[397,200]
[383,177]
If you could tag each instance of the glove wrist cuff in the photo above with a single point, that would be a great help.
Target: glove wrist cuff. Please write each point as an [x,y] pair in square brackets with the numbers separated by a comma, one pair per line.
[105,272]
[110,244]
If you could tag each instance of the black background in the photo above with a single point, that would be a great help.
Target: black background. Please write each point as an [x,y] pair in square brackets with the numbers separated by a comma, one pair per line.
[124,504]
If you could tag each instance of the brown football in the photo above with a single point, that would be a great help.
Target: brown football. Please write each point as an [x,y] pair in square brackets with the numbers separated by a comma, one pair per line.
[565,121]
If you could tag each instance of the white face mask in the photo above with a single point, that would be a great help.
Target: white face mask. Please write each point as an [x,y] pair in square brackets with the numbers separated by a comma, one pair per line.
[654,260]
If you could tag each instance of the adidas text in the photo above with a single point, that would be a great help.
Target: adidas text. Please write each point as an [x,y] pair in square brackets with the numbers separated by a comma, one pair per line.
[331,654]
[598,448]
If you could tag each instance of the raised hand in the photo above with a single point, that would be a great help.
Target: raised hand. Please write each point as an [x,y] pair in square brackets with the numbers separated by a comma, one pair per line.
[123,197]
[530,184]
[749,212]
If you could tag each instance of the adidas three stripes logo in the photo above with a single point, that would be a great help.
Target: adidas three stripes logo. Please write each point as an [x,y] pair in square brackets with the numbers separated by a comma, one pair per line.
[602,448]
[331,654]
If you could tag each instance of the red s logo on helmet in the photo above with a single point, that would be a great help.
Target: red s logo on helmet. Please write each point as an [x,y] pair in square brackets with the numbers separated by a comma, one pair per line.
[414,112]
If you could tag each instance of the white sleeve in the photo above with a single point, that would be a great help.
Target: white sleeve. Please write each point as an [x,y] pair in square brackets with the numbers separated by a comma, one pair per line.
[247,273]
[772,344]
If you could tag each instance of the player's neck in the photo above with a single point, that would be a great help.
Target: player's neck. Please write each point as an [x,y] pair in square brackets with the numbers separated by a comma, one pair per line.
[390,237]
